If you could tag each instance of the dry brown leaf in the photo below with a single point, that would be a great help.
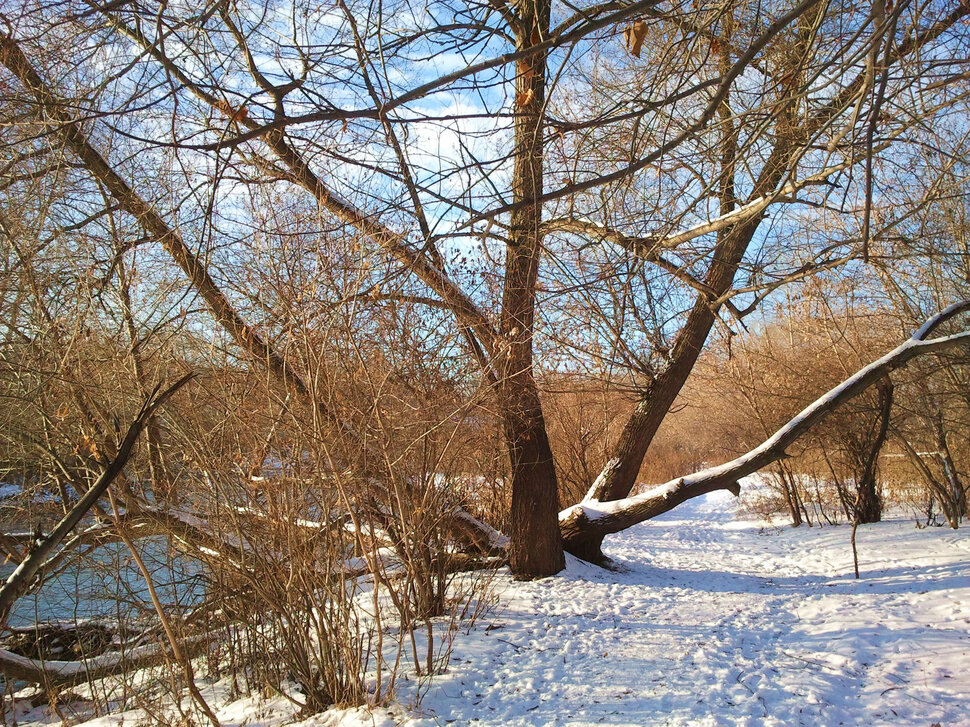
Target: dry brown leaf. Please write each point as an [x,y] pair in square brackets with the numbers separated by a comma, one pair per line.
[234,114]
[535,38]
[524,98]
[634,36]
[526,73]
[89,444]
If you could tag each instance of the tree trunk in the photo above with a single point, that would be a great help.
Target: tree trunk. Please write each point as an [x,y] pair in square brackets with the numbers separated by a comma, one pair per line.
[536,549]
[618,477]
[868,507]
[789,489]
[951,475]
[23,576]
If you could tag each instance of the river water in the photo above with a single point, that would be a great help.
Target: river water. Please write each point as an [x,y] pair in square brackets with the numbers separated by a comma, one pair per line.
[108,585]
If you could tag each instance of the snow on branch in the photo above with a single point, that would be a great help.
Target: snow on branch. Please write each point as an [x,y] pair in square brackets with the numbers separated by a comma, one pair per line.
[592,518]
[53,673]
[647,246]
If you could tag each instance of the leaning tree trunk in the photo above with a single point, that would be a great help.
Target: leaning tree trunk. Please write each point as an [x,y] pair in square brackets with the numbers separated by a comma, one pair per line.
[24,575]
[536,549]
[585,524]
[618,477]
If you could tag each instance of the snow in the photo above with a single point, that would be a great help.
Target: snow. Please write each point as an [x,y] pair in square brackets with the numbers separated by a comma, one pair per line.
[713,621]
[496,540]
[594,509]
[709,620]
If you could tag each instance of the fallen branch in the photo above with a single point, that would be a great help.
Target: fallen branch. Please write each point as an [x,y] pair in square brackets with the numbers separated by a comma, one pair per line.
[476,537]
[54,674]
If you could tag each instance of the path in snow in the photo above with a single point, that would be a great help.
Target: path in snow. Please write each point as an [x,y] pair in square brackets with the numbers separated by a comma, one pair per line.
[716,622]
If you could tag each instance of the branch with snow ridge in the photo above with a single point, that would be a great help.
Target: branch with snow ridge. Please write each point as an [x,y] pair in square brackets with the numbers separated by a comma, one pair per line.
[591,519]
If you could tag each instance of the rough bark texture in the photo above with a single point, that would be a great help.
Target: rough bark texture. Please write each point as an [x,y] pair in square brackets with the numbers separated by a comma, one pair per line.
[536,549]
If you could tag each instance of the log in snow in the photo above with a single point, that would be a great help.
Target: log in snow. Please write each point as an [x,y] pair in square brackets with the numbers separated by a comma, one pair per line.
[52,673]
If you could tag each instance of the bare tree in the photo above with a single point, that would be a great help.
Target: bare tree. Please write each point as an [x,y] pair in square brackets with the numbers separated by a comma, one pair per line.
[539,146]
[601,518]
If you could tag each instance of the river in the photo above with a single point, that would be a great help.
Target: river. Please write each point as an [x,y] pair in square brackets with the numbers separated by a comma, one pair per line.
[108,585]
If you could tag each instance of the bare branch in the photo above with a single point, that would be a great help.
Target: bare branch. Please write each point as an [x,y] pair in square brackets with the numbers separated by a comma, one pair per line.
[19,581]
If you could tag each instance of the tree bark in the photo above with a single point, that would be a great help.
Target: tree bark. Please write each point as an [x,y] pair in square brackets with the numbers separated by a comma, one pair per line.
[53,674]
[619,475]
[536,549]
[868,507]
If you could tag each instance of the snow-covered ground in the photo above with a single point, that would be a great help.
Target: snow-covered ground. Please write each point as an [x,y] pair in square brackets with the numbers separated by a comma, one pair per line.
[712,621]
[715,621]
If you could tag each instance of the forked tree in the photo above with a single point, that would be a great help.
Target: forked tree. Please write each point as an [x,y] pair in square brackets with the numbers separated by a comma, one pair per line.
[600,183]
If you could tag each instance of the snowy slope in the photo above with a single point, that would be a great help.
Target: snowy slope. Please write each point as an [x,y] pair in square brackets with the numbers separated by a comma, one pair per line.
[711,621]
